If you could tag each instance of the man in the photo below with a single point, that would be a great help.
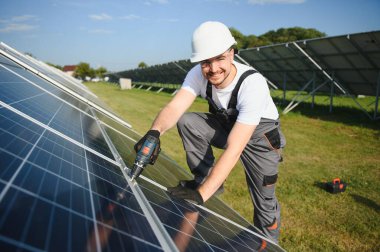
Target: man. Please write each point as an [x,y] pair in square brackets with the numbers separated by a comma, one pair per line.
[247,129]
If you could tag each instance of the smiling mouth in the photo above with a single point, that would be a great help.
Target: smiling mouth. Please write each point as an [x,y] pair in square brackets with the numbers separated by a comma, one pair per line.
[215,75]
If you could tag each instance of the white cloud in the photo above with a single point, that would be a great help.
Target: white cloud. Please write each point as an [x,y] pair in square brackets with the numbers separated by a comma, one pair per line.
[160,1]
[14,27]
[156,1]
[262,2]
[24,18]
[18,23]
[130,17]
[100,17]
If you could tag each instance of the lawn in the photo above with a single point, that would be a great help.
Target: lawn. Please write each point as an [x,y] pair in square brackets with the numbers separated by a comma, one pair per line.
[320,147]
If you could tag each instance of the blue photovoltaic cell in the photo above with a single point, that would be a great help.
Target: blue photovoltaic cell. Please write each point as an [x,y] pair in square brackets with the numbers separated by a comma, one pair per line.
[195,229]
[61,188]
[52,185]
[17,134]
[43,107]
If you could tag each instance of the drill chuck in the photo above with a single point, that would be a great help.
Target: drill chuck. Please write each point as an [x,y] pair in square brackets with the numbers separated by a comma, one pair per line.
[137,169]
[143,156]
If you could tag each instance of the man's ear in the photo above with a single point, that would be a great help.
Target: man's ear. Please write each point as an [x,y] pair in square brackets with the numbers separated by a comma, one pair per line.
[232,53]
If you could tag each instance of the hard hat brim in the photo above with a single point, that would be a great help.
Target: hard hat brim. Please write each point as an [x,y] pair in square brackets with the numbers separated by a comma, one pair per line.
[198,57]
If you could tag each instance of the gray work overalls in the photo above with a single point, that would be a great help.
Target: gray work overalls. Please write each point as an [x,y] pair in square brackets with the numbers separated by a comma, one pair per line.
[260,158]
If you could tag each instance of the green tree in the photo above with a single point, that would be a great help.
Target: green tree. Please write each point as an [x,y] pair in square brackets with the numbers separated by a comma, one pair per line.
[284,35]
[142,65]
[239,37]
[100,72]
[83,69]
[281,35]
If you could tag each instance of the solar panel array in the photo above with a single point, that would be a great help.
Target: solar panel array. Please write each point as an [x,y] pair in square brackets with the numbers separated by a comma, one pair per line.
[168,73]
[352,62]
[64,159]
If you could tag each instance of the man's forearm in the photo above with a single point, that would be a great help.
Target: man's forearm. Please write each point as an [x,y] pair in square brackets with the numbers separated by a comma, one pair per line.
[219,173]
[171,113]
[166,119]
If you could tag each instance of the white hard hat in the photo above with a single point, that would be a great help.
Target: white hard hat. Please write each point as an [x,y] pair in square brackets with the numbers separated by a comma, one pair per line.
[210,39]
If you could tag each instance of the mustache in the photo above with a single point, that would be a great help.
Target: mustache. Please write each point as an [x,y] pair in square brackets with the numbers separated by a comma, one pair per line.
[214,73]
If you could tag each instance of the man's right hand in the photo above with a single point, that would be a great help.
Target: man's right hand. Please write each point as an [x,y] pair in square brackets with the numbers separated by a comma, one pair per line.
[156,152]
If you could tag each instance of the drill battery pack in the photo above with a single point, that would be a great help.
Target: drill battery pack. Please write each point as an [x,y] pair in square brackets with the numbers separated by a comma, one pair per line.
[336,186]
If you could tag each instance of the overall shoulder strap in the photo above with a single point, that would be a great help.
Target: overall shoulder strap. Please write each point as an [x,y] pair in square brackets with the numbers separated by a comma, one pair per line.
[233,100]
[212,107]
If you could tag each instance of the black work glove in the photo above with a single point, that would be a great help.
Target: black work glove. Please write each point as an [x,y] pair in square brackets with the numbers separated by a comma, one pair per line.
[155,134]
[186,193]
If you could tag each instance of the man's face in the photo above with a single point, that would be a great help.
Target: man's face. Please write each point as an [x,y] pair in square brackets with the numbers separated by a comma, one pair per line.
[217,70]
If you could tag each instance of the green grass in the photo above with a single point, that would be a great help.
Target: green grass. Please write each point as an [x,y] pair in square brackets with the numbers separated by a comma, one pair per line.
[320,147]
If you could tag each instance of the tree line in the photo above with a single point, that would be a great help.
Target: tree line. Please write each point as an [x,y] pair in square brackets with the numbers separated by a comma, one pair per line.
[282,35]
[83,70]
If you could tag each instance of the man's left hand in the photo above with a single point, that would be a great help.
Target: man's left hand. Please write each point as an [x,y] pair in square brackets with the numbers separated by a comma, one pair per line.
[186,193]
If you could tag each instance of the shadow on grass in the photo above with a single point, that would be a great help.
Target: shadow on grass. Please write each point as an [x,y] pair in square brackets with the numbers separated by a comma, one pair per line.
[360,199]
[321,185]
[348,115]
[366,202]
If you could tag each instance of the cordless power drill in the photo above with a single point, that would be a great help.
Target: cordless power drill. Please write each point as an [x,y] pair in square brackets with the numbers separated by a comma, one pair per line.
[143,157]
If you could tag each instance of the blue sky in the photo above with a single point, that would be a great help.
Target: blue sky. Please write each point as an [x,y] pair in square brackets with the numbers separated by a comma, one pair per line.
[119,34]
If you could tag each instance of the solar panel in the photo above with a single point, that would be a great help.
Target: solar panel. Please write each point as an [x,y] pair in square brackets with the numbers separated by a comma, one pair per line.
[353,61]
[63,180]
[169,73]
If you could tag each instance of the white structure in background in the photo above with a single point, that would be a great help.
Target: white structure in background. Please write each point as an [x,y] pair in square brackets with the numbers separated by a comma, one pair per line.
[125,83]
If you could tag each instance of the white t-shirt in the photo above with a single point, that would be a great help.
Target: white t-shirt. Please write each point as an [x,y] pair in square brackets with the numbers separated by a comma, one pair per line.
[253,101]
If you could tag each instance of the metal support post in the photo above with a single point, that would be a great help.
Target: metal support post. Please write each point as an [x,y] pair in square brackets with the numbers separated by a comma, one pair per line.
[284,89]
[319,67]
[183,70]
[331,94]
[312,88]
[246,63]
[377,98]
[292,106]
[175,91]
